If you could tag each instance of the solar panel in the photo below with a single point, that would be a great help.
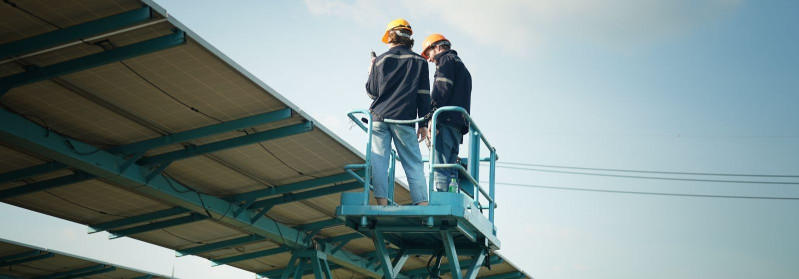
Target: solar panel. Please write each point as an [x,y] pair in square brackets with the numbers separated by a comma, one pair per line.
[25,261]
[140,128]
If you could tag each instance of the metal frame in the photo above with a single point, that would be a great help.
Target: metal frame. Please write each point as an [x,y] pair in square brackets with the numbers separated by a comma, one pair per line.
[90,61]
[25,257]
[75,33]
[26,135]
[447,214]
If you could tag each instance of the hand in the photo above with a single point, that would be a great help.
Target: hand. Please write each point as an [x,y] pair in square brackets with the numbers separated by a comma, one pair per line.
[422,133]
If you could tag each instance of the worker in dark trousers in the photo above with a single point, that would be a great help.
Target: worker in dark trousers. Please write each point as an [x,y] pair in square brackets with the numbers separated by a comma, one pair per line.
[452,86]
[400,87]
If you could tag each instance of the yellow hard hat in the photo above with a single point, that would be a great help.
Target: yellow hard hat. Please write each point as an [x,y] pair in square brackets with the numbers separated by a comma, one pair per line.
[429,41]
[396,24]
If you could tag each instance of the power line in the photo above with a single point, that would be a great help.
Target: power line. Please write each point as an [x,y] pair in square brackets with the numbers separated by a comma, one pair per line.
[653,177]
[649,171]
[644,193]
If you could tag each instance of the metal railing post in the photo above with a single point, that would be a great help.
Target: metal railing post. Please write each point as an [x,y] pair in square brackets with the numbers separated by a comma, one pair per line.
[474,160]
[491,188]
[391,170]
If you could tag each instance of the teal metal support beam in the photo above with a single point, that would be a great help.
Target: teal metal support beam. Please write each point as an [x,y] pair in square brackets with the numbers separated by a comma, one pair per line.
[509,275]
[382,255]
[141,146]
[344,237]
[137,219]
[320,225]
[93,60]
[219,245]
[23,134]
[79,176]
[452,255]
[228,144]
[191,218]
[144,277]
[249,256]
[241,123]
[17,256]
[21,260]
[291,197]
[306,271]
[90,273]
[292,187]
[74,33]
[31,171]
[399,260]
[494,260]
[73,272]
[474,267]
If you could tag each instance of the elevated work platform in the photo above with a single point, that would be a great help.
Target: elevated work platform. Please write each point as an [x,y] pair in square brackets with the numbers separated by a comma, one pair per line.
[453,224]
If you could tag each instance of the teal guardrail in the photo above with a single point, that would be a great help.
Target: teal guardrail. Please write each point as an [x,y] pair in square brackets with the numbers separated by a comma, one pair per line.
[476,137]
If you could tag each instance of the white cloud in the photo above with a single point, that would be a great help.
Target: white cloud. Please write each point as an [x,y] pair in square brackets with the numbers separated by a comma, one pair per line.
[521,25]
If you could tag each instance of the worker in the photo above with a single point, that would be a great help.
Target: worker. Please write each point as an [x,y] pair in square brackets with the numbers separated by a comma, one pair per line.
[400,89]
[452,86]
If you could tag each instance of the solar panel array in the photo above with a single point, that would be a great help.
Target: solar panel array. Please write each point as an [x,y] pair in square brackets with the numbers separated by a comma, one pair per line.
[158,94]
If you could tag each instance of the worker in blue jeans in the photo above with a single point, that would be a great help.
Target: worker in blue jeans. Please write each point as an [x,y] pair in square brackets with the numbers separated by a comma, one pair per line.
[400,89]
[452,87]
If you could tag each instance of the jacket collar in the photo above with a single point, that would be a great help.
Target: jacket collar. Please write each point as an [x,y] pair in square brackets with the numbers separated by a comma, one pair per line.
[446,52]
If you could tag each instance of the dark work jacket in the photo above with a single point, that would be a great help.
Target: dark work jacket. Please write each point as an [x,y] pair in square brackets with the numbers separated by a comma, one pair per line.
[452,86]
[399,84]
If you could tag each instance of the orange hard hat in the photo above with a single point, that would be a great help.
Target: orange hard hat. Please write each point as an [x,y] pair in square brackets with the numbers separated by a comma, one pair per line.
[429,41]
[396,24]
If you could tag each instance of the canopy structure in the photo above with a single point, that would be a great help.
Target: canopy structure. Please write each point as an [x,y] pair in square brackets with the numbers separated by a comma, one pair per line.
[18,260]
[119,117]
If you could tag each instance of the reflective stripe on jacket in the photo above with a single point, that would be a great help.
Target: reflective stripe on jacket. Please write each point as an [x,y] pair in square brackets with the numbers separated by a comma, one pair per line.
[452,86]
[399,84]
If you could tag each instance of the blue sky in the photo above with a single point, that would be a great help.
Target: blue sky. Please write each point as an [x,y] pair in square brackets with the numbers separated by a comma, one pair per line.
[688,86]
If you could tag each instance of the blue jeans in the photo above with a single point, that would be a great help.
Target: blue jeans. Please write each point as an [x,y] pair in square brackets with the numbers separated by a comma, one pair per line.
[409,155]
[448,140]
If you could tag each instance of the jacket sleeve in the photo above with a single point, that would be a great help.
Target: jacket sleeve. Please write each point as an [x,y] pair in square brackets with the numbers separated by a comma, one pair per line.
[443,83]
[372,84]
[423,95]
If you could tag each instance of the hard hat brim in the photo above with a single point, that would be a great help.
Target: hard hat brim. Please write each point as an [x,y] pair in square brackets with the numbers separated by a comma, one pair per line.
[385,35]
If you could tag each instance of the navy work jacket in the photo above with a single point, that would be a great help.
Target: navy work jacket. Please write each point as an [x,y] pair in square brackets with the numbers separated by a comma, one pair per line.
[399,85]
[452,86]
